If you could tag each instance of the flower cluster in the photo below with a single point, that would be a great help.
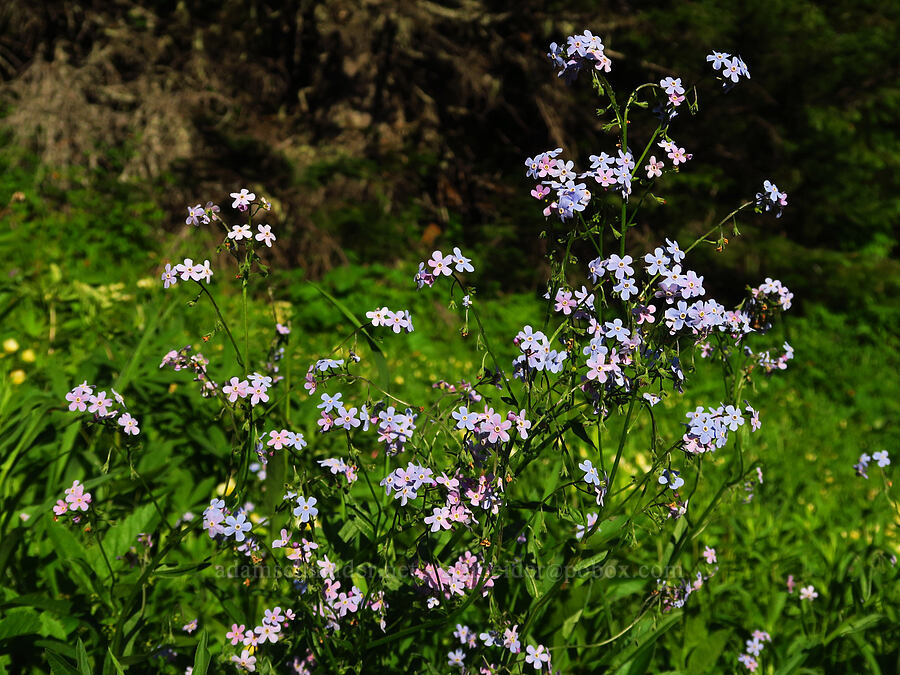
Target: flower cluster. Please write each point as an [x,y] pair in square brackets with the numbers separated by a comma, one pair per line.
[255,387]
[396,321]
[198,214]
[674,594]
[674,90]
[537,354]
[880,457]
[405,483]
[770,198]
[76,500]
[269,630]
[754,647]
[186,270]
[773,290]
[441,265]
[394,428]
[82,398]
[337,465]
[264,233]
[581,51]
[708,429]
[318,372]
[196,363]
[465,574]
[219,520]
[770,364]
[730,68]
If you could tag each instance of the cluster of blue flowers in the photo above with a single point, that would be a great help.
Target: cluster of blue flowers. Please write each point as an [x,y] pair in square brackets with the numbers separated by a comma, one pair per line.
[771,198]
[537,354]
[730,68]
[708,429]
[560,177]
[581,51]
[880,457]
[405,482]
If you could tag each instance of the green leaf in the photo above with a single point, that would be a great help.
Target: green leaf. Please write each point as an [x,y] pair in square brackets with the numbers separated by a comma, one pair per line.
[58,665]
[20,621]
[110,665]
[570,623]
[853,625]
[180,571]
[51,627]
[84,665]
[704,657]
[201,656]
[531,582]
[123,536]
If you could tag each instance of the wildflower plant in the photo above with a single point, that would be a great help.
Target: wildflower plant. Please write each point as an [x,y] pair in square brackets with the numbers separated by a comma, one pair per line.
[473,528]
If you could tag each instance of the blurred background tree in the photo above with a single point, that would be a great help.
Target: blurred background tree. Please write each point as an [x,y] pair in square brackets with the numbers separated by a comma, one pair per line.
[388,125]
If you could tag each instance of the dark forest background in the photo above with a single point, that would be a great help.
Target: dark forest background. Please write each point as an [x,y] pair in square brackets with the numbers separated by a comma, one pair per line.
[384,126]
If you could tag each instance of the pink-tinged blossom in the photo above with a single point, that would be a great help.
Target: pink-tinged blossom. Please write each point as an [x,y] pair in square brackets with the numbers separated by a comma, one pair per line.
[190,626]
[762,636]
[278,439]
[710,555]
[326,568]
[749,662]
[100,404]
[77,400]
[258,394]
[440,264]
[511,639]
[654,168]
[129,424]
[236,389]
[189,270]
[236,634]
[599,368]
[564,302]
[60,507]
[265,234]
[496,428]
[522,424]
[679,156]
